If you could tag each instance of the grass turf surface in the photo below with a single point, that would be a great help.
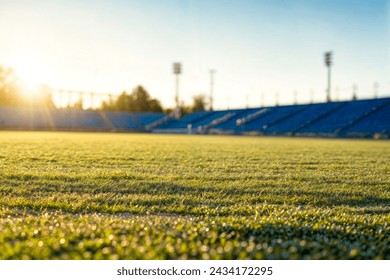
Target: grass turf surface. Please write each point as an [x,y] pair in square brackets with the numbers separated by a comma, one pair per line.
[133,196]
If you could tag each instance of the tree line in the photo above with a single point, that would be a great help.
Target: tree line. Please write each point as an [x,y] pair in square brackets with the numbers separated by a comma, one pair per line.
[138,100]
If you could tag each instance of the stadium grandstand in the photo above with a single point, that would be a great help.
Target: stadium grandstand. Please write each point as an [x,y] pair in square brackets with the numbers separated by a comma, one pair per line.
[358,118]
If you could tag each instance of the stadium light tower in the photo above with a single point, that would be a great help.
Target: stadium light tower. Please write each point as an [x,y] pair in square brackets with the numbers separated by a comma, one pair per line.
[262,100]
[311,96]
[354,92]
[212,72]
[376,89]
[177,72]
[328,63]
[295,93]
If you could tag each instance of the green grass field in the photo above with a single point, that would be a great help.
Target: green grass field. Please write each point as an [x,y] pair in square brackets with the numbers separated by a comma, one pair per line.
[140,196]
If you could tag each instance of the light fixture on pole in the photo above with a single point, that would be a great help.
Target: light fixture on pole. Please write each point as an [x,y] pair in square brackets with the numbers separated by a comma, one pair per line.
[354,92]
[328,63]
[295,97]
[262,100]
[376,90]
[337,93]
[311,96]
[177,72]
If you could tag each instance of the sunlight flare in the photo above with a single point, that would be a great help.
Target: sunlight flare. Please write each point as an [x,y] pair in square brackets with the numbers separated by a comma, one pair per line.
[31,74]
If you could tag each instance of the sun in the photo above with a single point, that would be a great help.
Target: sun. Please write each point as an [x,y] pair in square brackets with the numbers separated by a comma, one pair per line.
[30,73]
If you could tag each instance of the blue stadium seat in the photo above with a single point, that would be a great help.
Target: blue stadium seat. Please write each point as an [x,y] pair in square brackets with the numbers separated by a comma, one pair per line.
[341,117]
[302,118]
[376,122]
[25,117]
[77,119]
[147,118]
[187,119]
[230,124]
[360,118]
[209,118]
[274,115]
[122,120]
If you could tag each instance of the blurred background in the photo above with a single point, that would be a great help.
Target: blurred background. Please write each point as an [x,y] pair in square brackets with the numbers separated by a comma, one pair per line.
[245,53]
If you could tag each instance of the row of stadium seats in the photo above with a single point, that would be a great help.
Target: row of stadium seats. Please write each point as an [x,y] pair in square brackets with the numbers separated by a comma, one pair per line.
[72,119]
[348,118]
[363,118]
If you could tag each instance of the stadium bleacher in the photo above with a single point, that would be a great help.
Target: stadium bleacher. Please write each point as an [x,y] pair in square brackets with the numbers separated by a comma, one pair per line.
[376,122]
[77,119]
[25,118]
[72,119]
[343,116]
[302,118]
[183,122]
[231,124]
[274,115]
[360,118]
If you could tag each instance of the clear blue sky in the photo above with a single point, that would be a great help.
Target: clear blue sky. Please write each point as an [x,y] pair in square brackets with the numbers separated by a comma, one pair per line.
[255,46]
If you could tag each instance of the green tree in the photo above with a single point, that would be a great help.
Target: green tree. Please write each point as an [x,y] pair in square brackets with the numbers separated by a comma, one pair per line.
[138,100]
[109,105]
[123,102]
[155,106]
[198,103]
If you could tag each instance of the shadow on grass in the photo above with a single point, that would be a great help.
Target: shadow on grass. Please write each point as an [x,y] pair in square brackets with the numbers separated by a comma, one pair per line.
[162,194]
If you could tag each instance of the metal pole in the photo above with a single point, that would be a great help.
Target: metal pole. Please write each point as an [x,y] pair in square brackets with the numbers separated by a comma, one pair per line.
[177,91]
[295,97]
[354,92]
[69,98]
[211,88]
[177,71]
[311,96]
[376,89]
[328,94]
[81,101]
[328,63]
[262,100]
[337,93]
[91,104]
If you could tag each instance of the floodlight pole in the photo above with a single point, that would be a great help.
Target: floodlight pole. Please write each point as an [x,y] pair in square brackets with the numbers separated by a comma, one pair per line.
[295,97]
[262,100]
[212,72]
[354,92]
[376,89]
[177,90]
[311,96]
[328,63]
[328,94]
[177,71]
[69,98]
[91,95]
